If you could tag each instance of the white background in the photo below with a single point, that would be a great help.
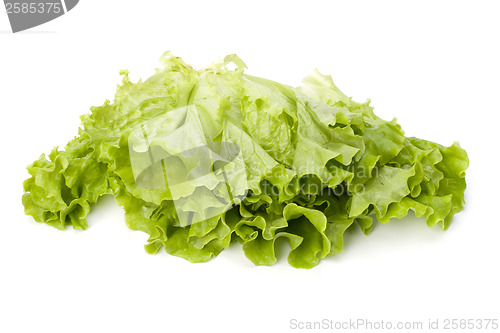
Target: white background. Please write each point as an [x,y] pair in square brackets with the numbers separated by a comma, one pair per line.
[432,64]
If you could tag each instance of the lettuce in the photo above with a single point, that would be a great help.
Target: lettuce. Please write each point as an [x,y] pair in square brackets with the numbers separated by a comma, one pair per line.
[201,159]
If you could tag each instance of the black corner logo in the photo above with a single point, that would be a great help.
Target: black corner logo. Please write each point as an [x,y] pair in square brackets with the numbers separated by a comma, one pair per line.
[26,14]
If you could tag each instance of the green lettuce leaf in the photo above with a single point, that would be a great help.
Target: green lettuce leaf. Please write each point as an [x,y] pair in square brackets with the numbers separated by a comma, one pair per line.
[200,159]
